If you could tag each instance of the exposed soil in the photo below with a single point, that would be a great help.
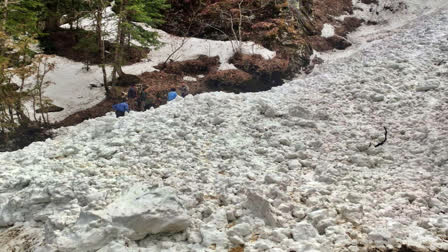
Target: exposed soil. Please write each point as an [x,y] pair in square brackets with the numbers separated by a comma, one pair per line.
[405,248]
[269,23]
[281,26]
[237,249]
[23,137]
[201,65]
[98,110]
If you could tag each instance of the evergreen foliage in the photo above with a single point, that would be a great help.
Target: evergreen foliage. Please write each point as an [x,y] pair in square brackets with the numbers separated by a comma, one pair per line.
[22,21]
[131,15]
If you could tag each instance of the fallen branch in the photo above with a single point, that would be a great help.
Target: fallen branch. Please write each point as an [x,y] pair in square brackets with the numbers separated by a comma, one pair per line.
[385,138]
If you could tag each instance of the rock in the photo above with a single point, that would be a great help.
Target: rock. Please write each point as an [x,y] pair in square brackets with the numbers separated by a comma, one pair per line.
[145,211]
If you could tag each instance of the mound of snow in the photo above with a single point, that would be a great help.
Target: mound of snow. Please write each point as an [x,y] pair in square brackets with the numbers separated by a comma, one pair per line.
[387,15]
[294,168]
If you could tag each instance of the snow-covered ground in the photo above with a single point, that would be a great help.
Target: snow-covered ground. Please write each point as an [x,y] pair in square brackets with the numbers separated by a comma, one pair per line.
[388,15]
[70,87]
[291,169]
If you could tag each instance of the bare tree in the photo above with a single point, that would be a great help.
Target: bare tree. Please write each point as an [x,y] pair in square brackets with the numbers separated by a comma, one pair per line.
[42,67]
[98,7]
[236,35]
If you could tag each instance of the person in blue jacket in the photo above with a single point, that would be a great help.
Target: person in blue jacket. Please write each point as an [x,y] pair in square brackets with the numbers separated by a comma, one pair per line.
[121,108]
[172,94]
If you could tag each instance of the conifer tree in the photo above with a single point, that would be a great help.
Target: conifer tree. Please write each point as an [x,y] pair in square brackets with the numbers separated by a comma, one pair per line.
[131,15]
[18,28]
[97,7]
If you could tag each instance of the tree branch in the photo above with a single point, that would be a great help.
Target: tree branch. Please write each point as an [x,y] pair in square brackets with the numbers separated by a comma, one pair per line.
[385,138]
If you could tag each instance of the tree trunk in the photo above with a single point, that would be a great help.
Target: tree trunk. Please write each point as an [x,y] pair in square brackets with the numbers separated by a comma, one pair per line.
[117,44]
[5,15]
[53,17]
[3,28]
[99,32]
[118,56]
[52,22]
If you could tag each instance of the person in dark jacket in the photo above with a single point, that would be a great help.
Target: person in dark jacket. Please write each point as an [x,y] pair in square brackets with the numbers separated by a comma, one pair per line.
[143,100]
[184,90]
[121,108]
[132,95]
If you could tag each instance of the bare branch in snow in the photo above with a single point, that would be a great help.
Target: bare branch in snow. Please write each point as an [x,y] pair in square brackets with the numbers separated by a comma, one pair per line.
[385,138]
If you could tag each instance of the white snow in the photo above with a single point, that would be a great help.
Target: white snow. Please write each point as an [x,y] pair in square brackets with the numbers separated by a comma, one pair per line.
[327,31]
[293,168]
[387,21]
[189,78]
[71,89]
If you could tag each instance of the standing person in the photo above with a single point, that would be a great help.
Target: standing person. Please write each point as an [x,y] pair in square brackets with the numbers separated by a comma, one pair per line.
[142,99]
[184,90]
[141,96]
[132,94]
[172,94]
[121,108]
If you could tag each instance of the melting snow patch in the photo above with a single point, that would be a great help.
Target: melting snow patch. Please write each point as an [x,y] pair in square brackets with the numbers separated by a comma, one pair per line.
[327,31]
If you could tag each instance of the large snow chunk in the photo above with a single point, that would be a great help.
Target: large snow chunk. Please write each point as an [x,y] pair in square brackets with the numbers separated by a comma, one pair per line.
[149,211]
[261,208]
[303,231]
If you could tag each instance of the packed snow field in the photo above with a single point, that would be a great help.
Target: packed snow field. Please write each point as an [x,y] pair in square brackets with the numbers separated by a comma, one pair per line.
[291,169]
